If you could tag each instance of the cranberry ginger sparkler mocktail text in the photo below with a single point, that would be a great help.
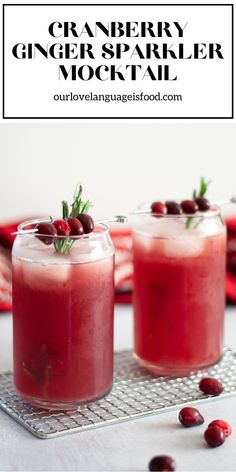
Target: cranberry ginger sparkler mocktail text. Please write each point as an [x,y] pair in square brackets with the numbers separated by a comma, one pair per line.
[159,41]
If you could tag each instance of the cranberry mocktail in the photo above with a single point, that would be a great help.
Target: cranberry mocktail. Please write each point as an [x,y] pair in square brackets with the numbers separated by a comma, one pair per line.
[63,328]
[179,291]
[63,301]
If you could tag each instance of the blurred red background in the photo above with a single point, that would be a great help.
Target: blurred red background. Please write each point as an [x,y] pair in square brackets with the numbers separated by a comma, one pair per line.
[123,264]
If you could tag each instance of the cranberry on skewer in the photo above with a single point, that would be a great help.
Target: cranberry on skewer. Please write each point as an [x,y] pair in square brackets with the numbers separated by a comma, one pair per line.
[76,227]
[63,228]
[46,232]
[173,208]
[189,206]
[159,208]
[87,222]
[202,203]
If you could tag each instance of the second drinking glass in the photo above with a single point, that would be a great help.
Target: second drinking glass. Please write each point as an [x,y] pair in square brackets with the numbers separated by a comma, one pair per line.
[179,291]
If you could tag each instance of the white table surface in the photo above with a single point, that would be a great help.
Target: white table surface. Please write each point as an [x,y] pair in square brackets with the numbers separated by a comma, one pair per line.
[125,447]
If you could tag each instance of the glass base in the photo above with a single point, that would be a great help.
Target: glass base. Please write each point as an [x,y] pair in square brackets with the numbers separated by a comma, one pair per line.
[60,405]
[172,371]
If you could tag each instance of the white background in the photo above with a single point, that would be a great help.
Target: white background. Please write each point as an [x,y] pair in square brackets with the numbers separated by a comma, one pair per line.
[204,84]
[119,165]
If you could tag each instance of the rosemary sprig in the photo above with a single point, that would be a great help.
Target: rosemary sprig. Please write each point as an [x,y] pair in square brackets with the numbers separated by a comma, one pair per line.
[78,205]
[202,189]
[62,246]
[65,209]
[200,193]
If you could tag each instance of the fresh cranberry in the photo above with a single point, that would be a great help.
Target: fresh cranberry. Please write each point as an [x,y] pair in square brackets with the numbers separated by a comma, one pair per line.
[189,417]
[223,425]
[189,206]
[44,230]
[211,386]
[87,222]
[214,436]
[173,208]
[162,463]
[159,208]
[63,228]
[76,227]
[203,203]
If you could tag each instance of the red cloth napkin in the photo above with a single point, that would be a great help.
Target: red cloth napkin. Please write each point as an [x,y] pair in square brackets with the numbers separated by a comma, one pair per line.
[123,264]
[5,279]
[6,242]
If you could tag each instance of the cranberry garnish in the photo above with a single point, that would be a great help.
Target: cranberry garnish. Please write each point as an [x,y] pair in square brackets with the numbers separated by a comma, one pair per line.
[211,386]
[162,463]
[87,222]
[189,206]
[45,229]
[63,228]
[189,417]
[203,203]
[223,425]
[159,207]
[76,227]
[214,436]
[173,208]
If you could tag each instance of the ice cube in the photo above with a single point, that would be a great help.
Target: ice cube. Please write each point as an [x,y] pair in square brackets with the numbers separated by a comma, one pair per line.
[161,227]
[183,247]
[86,251]
[45,275]
[209,226]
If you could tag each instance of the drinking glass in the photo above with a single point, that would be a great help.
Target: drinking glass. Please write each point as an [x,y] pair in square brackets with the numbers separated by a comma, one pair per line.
[63,318]
[179,291]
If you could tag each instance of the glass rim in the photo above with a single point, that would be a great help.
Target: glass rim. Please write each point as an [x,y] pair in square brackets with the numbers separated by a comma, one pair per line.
[144,210]
[93,235]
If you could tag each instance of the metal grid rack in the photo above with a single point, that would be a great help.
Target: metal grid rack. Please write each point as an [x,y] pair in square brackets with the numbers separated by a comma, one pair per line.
[135,393]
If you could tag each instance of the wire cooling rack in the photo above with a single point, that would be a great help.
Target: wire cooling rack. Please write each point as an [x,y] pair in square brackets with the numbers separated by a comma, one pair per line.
[135,393]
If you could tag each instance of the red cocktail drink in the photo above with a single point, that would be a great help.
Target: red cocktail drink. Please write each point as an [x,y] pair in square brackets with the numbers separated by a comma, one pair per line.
[63,320]
[179,292]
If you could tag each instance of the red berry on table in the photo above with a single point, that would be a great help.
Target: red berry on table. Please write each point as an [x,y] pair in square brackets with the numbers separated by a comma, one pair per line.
[47,232]
[162,463]
[203,203]
[189,206]
[159,207]
[76,227]
[63,228]
[224,425]
[211,386]
[87,222]
[189,417]
[173,208]
[214,436]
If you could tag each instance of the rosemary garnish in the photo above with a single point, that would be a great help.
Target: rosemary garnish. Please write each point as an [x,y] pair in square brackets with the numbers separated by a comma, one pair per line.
[78,206]
[202,189]
[200,193]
